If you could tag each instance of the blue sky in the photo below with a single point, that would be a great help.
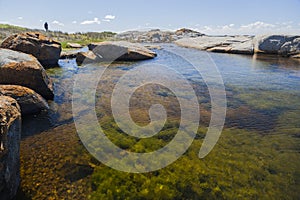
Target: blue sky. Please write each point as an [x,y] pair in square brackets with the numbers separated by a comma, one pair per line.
[208,16]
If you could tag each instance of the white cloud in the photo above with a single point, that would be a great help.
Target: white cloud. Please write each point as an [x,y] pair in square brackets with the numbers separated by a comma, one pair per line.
[95,21]
[20,18]
[110,17]
[74,22]
[254,28]
[257,25]
[58,23]
[106,20]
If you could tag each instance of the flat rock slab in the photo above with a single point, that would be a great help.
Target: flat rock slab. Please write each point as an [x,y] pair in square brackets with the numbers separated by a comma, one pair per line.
[46,50]
[30,102]
[18,68]
[222,44]
[121,50]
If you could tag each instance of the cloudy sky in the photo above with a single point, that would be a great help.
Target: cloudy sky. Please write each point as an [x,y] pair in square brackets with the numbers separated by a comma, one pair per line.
[207,16]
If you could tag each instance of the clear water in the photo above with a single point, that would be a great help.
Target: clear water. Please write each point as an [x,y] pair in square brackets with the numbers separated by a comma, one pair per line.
[263,99]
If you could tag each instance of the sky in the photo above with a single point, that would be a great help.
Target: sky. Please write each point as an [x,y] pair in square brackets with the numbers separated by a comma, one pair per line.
[214,17]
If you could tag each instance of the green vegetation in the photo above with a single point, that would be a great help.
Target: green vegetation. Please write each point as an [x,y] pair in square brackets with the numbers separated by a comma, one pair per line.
[243,165]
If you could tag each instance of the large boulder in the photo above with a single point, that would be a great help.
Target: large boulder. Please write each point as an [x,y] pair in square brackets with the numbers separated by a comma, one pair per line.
[121,50]
[10,134]
[18,68]
[277,44]
[30,102]
[46,50]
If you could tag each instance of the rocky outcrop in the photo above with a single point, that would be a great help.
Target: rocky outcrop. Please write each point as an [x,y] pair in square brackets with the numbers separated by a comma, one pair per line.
[121,50]
[277,44]
[30,102]
[18,68]
[222,44]
[10,134]
[87,57]
[44,49]
[157,35]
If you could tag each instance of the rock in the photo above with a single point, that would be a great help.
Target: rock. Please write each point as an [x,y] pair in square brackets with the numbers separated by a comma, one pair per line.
[30,102]
[10,135]
[68,55]
[188,33]
[44,49]
[277,44]
[87,57]
[73,45]
[296,56]
[121,50]
[18,68]
[157,35]
[222,44]
[153,47]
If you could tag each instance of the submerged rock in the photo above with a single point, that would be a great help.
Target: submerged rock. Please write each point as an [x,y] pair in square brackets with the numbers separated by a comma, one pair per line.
[121,50]
[18,68]
[30,102]
[10,134]
[46,50]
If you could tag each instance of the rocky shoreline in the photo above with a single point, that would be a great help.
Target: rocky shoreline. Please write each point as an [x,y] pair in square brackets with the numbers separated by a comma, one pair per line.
[25,86]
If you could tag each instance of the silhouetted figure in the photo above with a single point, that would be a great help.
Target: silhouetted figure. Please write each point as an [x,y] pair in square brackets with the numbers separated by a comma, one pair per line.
[46,26]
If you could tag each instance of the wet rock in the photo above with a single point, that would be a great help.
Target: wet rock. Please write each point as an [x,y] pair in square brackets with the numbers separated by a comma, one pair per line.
[10,134]
[18,68]
[68,54]
[87,57]
[121,50]
[30,102]
[46,50]
[277,44]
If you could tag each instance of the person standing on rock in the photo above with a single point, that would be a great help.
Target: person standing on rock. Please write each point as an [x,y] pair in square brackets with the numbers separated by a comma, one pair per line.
[46,26]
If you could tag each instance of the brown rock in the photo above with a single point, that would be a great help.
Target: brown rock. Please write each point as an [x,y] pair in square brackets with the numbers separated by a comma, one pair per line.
[29,101]
[44,49]
[18,68]
[87,57]
[73,45]
[10,134]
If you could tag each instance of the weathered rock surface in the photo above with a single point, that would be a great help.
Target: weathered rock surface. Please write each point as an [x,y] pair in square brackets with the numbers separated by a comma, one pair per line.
[222,44]
[73,45]
[156,35]
[43,48]
[121,50]
[87,57]
[30,102]
[277,44]
[267,44]
[10,134]
[68,54]
[296,56]
[18,68]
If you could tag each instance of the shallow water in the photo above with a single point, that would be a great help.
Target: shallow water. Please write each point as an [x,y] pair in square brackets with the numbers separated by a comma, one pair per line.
[263,100]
